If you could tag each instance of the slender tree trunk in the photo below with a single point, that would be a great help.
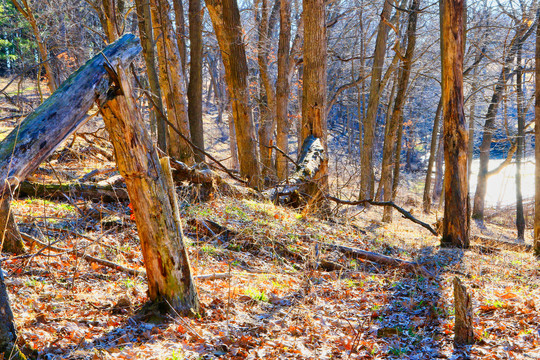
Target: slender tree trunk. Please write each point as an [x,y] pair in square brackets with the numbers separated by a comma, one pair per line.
[196,77]
[282,89]
[431,161]
[520,219]
[489,127]
[472,113]
[171,80]
[267,103]
[26,11]
[180,22]
[367,177]
[439,176]
[537,141]
[314,86]
[147,42]
[397,161]
[225,17]
[455,231]
[153,196]
[389,149]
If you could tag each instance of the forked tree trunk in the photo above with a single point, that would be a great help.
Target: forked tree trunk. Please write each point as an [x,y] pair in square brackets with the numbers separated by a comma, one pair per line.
[389,149]
[366,176]
[225,17]
[147,42]
[196,77]
[153,196]
[431,161]
[282,89]
[171,78]
[456,220]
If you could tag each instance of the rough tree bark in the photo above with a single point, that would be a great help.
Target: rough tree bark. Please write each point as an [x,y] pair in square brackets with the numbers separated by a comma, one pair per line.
[225,17]
[282,89]
[314,87]
[153,196]
[520,218]
[537,142]
[455,231]
[463,328]
[389,148]
[431,161]
[366,176]
[171,78]
[194,92]
[147,42]
[8,333]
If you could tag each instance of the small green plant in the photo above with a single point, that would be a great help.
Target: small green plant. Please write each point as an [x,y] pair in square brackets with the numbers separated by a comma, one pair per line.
[128,283]
[375,307]
[351,283]
[397,351]
[176,356]
[209,249]
[256,294]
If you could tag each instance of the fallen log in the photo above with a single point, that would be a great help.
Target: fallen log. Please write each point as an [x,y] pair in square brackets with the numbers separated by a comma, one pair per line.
[503,244]
[92,191]
[379,258]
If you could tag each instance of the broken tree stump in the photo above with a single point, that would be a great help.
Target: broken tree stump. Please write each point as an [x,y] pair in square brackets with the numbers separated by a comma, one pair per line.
[153,196]
[463,328]
[10,237]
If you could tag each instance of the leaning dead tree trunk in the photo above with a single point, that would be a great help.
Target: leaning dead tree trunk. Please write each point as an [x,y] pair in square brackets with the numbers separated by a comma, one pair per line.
[152,193]
[42,131]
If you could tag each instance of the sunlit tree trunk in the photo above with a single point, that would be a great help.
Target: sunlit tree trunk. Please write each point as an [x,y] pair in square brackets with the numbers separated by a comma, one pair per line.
[314,85]
[282,88]
[171,78]
[389,149]
[147,42]
[366,176]
[537,144]
[431,161]
[225,17]
[196,77]
[455,230]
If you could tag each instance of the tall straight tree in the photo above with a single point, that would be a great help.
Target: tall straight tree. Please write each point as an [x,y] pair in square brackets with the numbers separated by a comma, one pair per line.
[366,176]
[456,219]
[314,84]
[225,17]
[282,88]
[537,143]
[171,78]
[195,77]
[147,42]
[520,218]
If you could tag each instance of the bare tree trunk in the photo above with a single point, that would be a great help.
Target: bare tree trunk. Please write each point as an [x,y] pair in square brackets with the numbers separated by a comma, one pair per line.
[181,33]
[267,103]
[314,86]
[439,176]
[8,334]
[489,127]
[389,149]
[537,142]
[171,78]
[520,219]
[196,77]
[282,89]
[153,196]
[26,11]
[455,231]
[431,161]
[367,177]
[225,17]
[10,237]
[147,42]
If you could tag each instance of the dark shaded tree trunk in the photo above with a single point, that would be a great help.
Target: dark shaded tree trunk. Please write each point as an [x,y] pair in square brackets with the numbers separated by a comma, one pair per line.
[314,87]
[455,229]
[8,334]
[147,42]
[431,161]
[225,17]
[10,237]
[194,92]
[180,22]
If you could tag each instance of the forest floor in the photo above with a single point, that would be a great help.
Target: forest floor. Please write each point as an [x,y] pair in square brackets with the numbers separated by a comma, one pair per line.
[278,302]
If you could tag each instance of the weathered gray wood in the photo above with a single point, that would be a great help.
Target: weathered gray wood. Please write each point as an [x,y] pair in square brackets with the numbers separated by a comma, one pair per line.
[463,328]
[107,193]
[62,113]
